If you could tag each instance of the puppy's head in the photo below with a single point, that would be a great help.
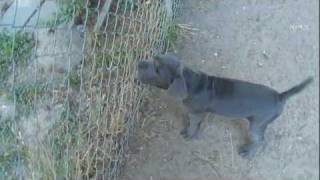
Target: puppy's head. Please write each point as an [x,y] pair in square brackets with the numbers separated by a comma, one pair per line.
[160,71]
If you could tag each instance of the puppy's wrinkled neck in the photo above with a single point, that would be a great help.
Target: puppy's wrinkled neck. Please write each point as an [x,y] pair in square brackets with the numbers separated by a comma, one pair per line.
[177,87]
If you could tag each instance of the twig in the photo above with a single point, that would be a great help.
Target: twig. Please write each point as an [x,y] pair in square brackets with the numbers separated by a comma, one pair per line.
[5,7]
[231,142]
[206,160]
[187,27]
[187,30]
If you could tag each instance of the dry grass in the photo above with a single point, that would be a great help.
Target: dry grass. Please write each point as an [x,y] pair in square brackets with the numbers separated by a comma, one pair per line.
[79,128]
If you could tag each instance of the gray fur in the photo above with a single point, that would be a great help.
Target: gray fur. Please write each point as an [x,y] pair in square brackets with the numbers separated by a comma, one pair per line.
[201,93]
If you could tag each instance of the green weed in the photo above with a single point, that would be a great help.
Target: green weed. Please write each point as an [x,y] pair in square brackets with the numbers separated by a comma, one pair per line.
[171,36]
[12,155]
[15,49]
[68,10]
[25,95]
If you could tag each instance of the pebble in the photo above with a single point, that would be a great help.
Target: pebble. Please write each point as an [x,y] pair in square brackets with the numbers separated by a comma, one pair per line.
[215,54]
[265,54]
[260,64]
[299,138]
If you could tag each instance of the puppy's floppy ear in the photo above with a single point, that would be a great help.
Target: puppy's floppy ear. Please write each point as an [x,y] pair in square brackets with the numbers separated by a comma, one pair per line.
[178,88]
[169,60]
[194,81]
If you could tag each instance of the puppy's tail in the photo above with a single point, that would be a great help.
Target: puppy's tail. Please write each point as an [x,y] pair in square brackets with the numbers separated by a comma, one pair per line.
[296,89]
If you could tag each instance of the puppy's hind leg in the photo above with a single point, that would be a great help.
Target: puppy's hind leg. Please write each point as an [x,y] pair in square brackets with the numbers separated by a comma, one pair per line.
[257,129]
[186,124]
[192,125]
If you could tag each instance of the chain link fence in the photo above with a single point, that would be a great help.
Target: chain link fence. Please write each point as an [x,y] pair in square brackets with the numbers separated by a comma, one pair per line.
[68,100]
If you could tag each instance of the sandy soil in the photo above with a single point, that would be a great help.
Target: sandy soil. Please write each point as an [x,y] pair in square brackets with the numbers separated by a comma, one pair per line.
[271,42]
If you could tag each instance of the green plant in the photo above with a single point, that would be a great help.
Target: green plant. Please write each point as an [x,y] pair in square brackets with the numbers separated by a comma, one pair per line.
[12,155]
[171,36]
[68,10]
[74,79]
[15,49]
[26,94]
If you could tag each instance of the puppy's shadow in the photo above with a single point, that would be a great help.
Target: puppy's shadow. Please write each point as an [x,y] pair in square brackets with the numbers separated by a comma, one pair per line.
[220,127]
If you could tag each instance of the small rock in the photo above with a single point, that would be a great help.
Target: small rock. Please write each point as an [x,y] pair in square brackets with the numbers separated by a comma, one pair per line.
[299,138]
[223,67]
[203,61]
[260,64]
[265,54]
[215,54]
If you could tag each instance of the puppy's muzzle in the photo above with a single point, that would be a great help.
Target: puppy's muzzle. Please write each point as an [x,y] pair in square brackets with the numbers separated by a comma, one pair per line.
[142,65]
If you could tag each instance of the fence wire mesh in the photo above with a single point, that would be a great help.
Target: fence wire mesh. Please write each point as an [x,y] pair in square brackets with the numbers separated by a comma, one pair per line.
[68,101]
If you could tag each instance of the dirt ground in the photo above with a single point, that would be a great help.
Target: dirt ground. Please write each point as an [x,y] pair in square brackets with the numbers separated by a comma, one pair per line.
[270,42]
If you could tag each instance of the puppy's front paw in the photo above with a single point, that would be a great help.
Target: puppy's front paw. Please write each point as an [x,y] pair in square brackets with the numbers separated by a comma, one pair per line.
[184,133]
[247,151]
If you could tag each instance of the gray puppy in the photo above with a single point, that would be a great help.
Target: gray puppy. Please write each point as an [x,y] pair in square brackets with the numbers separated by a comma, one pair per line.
[201,93]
